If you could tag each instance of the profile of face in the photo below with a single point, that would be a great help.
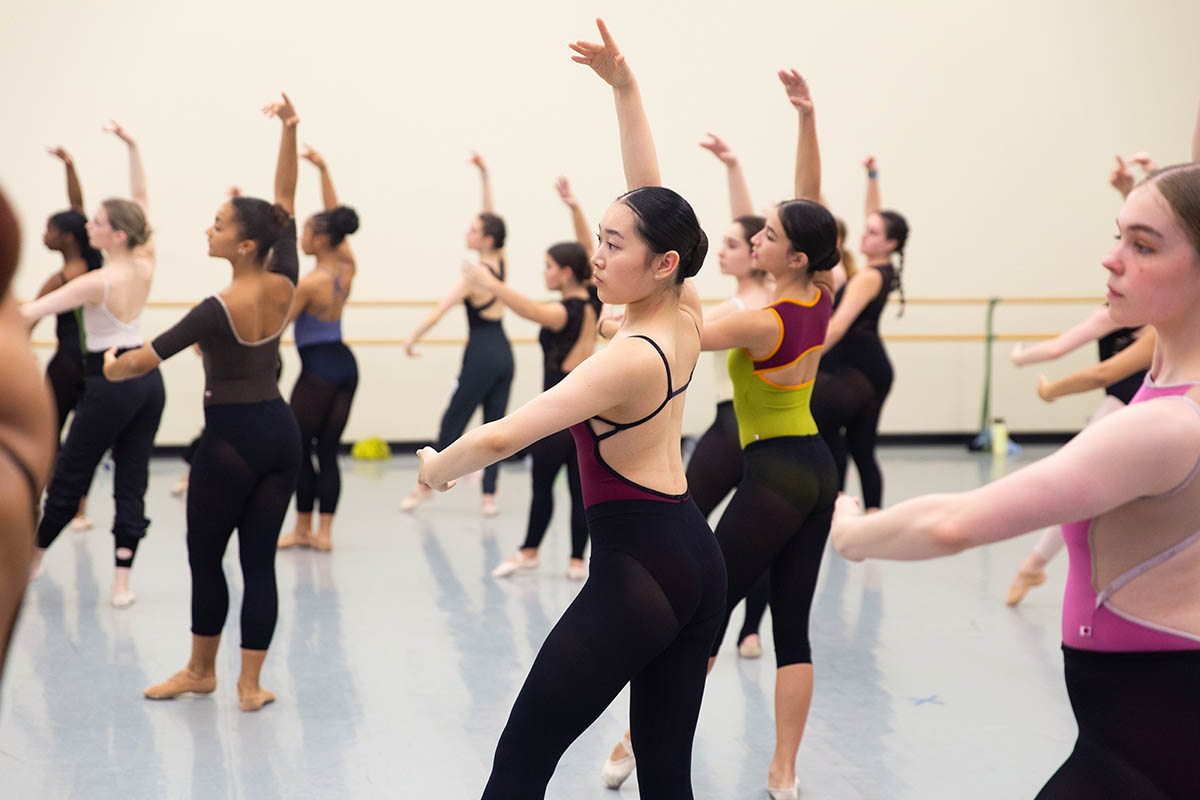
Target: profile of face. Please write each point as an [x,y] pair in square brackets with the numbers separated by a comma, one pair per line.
[475,234]
[734,256]
[101,233]
[1154,269]
[875,243]
[555,274]
[771,249]
[307,244]
[224,235]
[623,268]
[53,238]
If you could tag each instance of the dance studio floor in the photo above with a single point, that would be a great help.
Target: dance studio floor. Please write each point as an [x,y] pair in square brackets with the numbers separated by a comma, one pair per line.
[397,657]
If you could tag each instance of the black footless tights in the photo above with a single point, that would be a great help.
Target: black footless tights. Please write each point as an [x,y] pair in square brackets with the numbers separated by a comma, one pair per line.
[646,616]
[486,379]
[550,455]
[321,401]
[1139,727]
[778,521]
[243,474]
[846,407]
[715,470]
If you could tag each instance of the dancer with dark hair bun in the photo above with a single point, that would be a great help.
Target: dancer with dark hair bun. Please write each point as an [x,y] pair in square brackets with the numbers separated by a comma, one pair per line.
[27,438]
[66,233]
[120,416]
[324,391]
[648,613]
[487,367]
[568,336]
[856,374]
[244,469]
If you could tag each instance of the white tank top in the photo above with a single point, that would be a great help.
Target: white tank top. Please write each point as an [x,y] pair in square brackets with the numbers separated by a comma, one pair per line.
[721,379]
[104,330]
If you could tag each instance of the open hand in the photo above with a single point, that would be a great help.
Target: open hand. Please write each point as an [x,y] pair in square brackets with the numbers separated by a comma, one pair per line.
[115,128]
[605,58]
[717,146]
[564,191]
[283,110]
[797,90]
[426,456]
[1144,161]
[61,154]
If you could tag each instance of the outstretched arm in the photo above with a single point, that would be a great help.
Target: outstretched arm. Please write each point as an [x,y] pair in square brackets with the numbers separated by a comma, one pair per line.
[637,142]
[1141,451]
[137,172]
[583,234]
[740,204]
[873,203]
[548,315]
[74,190]
[87,288]
[453,298]
[286,167]
[1098,324]
[489,205]
[808,154]
[1130,361]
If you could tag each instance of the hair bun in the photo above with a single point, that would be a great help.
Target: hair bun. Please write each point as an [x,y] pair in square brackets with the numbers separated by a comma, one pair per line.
[282,216]
[345,220]
[696,256]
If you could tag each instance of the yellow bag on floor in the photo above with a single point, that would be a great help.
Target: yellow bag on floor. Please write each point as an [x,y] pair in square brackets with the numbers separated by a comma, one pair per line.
[372,449]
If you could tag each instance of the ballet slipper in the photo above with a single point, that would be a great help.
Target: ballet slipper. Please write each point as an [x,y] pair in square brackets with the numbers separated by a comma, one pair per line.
[251,695]
[488,506]
[80,523]
[750,647]
[122,595]
[415,498]
[295,539]
[576,571]
[200,675]
[180,488]
[617,770]
[1022,583]
[517,561]
[784,793]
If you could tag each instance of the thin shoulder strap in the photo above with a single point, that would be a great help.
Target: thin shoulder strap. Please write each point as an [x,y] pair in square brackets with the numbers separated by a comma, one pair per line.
[620,426]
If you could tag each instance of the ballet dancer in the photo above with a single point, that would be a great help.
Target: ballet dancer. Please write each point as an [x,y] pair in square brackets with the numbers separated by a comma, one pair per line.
[27,438]
[328,378]
[122,417]
[1131,615]
[244,468]
[487,367]
[66,234]
[567,337]
[649,611]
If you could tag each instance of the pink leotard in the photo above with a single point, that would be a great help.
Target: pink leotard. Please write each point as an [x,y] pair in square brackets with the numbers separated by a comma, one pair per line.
[1091,619]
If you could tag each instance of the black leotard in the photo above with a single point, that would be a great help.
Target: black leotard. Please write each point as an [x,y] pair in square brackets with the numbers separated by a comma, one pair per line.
[1109,346]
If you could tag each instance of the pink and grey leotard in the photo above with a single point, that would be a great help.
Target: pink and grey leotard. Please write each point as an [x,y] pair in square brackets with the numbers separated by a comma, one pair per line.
[1130,565]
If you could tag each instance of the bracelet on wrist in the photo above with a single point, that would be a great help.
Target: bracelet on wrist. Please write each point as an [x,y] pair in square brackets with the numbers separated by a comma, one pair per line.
[872,173]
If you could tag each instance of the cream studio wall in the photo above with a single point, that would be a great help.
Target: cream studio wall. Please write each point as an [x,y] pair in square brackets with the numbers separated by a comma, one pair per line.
[995,124]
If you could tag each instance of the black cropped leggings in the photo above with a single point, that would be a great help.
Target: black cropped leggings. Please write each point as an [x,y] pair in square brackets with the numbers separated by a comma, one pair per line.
[647,616]
[550,455]
[321,401]
[124,417]
[846,407]
[715,470]
[243,474]
[1139,727]
[778,521]
[485,379]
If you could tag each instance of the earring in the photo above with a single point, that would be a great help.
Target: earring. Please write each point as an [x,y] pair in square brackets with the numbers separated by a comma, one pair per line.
[241,251]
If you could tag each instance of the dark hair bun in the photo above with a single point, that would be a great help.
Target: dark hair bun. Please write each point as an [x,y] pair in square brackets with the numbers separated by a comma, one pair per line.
[811,230]
[344,220]
[690,265]
[665,222]
[281,215]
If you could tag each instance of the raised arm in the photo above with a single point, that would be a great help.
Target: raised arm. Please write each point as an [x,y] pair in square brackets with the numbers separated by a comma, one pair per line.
[489,205]
[637,143]
[329,198]
[583,234]
[287,165]
[453,298]
[808,154]
[548,315]
[74,190]
[1130,361]
[1098,324]
[740,204]
[873,203]
[1141,451]
[137,172]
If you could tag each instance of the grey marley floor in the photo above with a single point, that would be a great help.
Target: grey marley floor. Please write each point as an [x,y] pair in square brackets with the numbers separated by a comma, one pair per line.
[397,657]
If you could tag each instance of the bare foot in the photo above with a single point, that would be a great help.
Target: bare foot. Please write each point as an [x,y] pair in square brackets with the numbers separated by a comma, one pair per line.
[182,682]
[488,505]
[300,537]
[323,542]
[252,698]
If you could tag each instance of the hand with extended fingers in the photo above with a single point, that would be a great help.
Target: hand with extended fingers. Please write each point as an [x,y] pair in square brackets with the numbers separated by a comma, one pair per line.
[312,156]
[115,128]
[426,454]
[797,90]
[716,145]
[284,110]
[604,58]
[564,191]
[1144,161]
[869,164]
[61,154]
[477,160]
[1121,178]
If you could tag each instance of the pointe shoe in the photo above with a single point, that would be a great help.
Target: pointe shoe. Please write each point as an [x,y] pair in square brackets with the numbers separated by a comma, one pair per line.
[323,542]
[489,508]
[616,772]
[787,793]
[123,599]
[576,572]
[294,539]
[80,523]
[181,683]
[180,488]
[254,699]
[1022,583]
[750,647]
[415,498]
[516,561]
